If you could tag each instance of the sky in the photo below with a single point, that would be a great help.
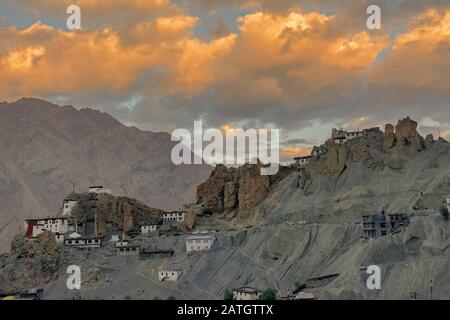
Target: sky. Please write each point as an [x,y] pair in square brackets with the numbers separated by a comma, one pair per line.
[302,66]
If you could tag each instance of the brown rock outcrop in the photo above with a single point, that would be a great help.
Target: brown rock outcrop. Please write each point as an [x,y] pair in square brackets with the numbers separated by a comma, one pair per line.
[406,132]
[253,187]
[389,138]
[230,198]
[35,262]
[429,140]
[104,209]
[333,164]
[211,192]
[191,217]
[229,188]
[361,153]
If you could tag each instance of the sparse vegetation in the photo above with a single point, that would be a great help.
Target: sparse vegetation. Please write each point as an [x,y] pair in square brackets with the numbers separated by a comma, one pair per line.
[228,295]
[269,294]
[444,212]
[171,298]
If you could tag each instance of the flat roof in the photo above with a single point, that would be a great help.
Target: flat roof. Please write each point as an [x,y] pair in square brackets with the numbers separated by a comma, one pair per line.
[247,290]
[200,237]
[85,238]
[43,219]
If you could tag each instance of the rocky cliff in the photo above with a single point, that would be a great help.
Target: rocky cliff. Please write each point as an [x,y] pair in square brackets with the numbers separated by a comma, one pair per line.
[231,189]
[31,263]
[103,211]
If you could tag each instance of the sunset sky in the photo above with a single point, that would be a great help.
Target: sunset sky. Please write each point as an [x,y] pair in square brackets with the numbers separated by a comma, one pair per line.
[302,66]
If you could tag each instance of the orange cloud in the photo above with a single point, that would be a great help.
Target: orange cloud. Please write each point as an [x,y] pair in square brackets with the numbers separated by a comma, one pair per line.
[294,55]
[290,152]
[419,57]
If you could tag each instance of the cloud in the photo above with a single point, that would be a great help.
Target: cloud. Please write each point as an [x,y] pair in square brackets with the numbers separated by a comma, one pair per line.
[284,65]
[288,153]
[416,73]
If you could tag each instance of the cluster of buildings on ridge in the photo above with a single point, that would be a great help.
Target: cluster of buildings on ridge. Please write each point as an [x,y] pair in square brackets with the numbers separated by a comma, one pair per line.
[65,229]
[338,136]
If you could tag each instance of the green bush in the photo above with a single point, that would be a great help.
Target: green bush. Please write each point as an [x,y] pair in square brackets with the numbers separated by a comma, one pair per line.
[269,294]
[228,295]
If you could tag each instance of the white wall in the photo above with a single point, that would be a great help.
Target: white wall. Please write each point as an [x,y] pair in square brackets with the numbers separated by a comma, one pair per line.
[55,225]
[174,216]
[238,295]
[148,229]
[199,244]
[168,275]
[68,206]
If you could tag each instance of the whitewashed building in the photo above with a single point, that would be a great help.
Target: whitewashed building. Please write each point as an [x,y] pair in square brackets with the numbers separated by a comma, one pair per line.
[98,189]
[302,161]
[350,135]
[68,206]
[82,242]
[199,243]
[121,243]
[148,229]
[246,293]
[35,227]
[174,216]
[128,250]
[446,200]
[171,275]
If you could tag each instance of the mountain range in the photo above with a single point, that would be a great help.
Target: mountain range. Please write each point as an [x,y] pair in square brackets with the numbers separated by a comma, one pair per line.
[48,151]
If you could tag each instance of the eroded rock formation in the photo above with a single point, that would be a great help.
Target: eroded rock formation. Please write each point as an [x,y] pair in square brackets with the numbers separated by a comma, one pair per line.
[34,262]
[389,138]
[124,213]
[406,133]
[228,188]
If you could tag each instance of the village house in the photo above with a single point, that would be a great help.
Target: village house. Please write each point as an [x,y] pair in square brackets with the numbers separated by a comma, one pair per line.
[155,254]
[301,162]
[199,243]
[246,293]
[350,135]
[171,275]
[121,243]
[128,250]
[148,229]
[318,151]
[35,227]
[75,240]
[378,225]
[299,296]
[340,136]
[174,216]
[98,189]
[68,206]
[446,201]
